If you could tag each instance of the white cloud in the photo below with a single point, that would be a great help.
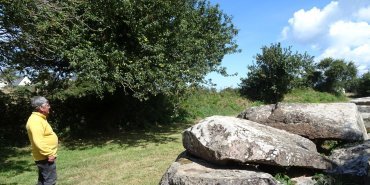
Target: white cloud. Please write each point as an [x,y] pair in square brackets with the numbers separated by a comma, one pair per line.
[308,25]
[349,33]
[363,14]
[339,30]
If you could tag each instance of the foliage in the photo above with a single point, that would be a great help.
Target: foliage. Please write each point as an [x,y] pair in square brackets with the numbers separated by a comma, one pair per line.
[111,114]
[144,48]
[307,95]
[83,116]
[15,109]
[333,75]
[275,73]
[7,75]
[363,88]
[284,179]
[322,179]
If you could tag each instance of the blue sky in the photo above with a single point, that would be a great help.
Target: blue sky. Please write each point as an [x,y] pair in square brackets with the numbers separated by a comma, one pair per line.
[323,28]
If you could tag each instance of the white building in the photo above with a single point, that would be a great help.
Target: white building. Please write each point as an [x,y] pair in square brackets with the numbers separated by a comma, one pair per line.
[22,81]
[2,84]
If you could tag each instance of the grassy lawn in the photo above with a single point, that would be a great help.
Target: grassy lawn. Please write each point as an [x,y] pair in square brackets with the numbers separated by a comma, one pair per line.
[132,158]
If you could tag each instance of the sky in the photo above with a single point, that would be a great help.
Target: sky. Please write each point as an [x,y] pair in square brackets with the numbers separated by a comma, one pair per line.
[323,28]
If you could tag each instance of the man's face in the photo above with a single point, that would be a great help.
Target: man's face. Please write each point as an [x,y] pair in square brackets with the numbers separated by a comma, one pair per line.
[45,109]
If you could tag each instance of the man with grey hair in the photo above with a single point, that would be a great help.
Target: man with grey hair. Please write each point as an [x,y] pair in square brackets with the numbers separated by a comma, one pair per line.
[43,140]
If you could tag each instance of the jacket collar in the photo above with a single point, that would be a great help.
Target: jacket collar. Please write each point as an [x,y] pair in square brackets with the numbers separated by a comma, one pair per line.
[39,114]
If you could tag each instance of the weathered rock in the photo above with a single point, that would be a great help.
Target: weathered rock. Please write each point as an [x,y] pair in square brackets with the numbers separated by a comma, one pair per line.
[352,160]
[313,120]
[363,108]
[366,119]
[304,181]
[222,140]
[365,116]
[363,105]
[188,170]
[361,101]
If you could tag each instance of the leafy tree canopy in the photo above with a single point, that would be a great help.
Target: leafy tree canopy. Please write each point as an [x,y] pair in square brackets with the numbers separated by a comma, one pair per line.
[334,75]
[363,88]
[275,72]
[143,47]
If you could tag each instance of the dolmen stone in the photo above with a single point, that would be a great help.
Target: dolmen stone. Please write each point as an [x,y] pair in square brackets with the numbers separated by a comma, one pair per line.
[363,106]
[225,140]
[304,181]
[188,170]
[340,121]
[361,101]
[352,159]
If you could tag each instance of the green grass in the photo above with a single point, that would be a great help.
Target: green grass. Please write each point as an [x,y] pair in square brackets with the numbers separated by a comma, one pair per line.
[204,103]
[135,157]
[311,96]
[284,179]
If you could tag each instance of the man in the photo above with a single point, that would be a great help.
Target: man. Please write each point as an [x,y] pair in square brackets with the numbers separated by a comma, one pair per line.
[43,140]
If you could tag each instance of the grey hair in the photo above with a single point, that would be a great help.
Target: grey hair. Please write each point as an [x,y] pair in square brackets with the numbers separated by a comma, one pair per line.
[38,101]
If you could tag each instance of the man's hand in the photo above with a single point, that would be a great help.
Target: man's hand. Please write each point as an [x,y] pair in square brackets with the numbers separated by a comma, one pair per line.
[51,159]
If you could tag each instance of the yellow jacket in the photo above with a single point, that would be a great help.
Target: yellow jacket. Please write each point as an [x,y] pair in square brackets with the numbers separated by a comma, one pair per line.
[43,140]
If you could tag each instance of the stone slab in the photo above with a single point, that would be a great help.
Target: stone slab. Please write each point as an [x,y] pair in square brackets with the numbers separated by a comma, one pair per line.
[188,170]
[340,121]
[363,108]
[365,116]
[361,101]
[229,140]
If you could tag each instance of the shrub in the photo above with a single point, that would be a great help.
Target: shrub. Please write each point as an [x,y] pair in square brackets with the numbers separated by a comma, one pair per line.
[275,73]
[364,85]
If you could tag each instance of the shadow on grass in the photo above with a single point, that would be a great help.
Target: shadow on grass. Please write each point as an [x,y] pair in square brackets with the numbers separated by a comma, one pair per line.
[16,165]
[11,161]
[158,134]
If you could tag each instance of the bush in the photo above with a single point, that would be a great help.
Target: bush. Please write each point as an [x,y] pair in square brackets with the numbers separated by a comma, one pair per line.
[335,75]
[202,102]
[110,114]
[275,73]
[15,108]
[83,116]
[364,85]
[283,179]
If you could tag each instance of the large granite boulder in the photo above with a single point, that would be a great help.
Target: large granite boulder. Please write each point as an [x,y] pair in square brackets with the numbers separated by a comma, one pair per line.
[223,140]
[304,180]
[340,121]
[363,108]
[363,105]
[352,159]
[361,101]
[188,170]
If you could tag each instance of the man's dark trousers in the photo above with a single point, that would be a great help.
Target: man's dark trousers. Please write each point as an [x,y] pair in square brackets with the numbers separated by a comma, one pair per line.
[47,172]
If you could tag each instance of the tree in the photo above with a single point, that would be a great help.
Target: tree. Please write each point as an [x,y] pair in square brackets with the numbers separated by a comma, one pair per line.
[363,88]
[334,75]
[8,75]
[275,73]
[142,47]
